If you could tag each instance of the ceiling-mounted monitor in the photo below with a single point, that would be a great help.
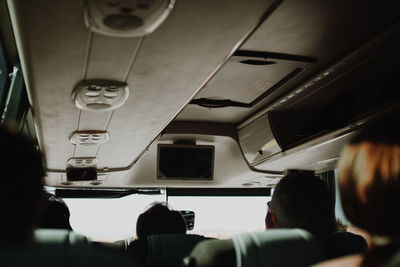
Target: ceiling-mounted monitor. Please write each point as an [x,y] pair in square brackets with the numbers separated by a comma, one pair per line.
[185,162]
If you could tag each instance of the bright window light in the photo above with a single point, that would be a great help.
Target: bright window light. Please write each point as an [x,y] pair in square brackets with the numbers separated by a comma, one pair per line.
[222,217]
[109,220]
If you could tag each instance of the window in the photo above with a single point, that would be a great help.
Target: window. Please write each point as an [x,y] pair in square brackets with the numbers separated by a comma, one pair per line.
[3,78]
[108,220]
[222,217]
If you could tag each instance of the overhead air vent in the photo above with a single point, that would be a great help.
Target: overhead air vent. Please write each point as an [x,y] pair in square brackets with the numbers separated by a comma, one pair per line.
[100,95]
[126,18]
[82,162]
[89,138]
[257,62]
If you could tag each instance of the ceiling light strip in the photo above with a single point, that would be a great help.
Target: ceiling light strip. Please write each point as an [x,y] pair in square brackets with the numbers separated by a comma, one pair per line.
[88,54]
[133,58]
[106,129]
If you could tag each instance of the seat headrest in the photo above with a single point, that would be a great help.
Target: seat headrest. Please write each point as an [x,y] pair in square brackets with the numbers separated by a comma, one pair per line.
[60,237]
[62,248]
[212,253]
[170,249]
[277,247]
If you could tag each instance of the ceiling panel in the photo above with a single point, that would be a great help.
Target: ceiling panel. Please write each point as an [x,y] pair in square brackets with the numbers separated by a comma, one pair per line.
[244,83]
[325,31]
[172,64]
[52,42]
[111,57]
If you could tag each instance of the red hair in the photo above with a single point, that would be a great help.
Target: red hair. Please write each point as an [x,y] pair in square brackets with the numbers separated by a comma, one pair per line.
[369,181]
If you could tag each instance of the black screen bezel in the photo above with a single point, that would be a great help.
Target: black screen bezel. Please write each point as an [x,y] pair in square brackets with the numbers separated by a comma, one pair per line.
[209,147]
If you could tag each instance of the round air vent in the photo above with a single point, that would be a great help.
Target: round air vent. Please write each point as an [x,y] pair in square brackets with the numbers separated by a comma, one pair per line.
[126,18]
[89,138]
[82,162]
[100,95]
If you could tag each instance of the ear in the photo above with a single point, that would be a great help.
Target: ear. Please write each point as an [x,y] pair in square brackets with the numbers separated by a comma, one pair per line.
[270,220]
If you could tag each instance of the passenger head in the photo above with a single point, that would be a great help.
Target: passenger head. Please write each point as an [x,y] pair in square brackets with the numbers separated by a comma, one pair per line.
[54,214]
[301,200]
[369,177]
[22,173]
[159,219]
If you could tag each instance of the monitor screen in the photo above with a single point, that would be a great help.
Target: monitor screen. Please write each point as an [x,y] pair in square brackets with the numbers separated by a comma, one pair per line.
[185,162]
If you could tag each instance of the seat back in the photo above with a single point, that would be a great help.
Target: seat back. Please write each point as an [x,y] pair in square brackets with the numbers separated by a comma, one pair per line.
[55,247]
[212,253]
[60,237]
[276,247]
[279,247]
[170,249]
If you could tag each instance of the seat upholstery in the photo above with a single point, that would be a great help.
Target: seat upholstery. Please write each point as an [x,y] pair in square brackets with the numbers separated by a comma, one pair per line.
[280,247]
[277,247]
[212,253]
[60,237]
[170,249]
[55,247]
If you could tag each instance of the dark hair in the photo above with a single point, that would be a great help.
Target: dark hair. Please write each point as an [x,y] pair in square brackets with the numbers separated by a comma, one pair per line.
[54,214]
[302,200]
[159,219]
[22,173]
[369,177]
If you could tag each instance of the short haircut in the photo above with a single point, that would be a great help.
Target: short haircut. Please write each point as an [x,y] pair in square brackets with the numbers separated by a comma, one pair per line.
[302,200]
[159,219]
[369,177]
[54,214]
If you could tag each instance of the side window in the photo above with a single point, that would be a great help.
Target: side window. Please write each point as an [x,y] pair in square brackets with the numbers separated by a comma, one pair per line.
[14,103]
[3,77]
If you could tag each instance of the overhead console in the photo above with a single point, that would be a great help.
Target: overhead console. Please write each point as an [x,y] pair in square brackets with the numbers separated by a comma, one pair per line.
[265,72]
[326,108]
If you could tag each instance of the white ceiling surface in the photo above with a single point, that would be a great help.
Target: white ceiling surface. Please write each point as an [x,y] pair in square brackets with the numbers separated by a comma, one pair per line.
[171,65]
[243,82]
[323,29]
[239,82]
